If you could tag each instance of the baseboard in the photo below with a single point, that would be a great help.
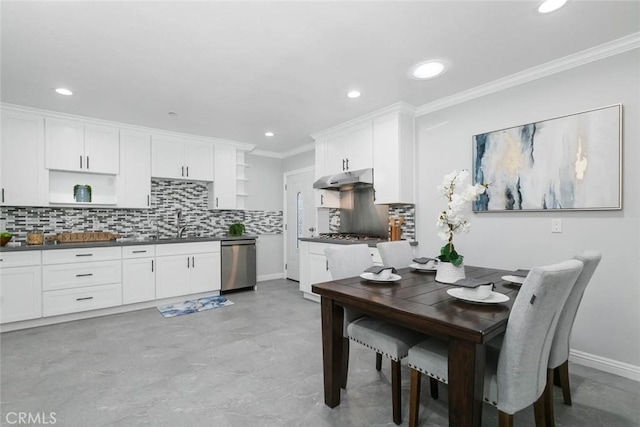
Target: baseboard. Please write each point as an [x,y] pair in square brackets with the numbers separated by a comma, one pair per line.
[272,276]
[611,366]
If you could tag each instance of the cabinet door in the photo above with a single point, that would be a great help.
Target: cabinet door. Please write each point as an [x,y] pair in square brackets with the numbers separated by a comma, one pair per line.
[335,155]
[20,294]
[327,199]
[65,145]
[101,149]
[319,268]
[22,144]
[172,276]
[205,272]
[134,180]
[167,157]
[224,185]
[138,280]
[198,160]
[359,147]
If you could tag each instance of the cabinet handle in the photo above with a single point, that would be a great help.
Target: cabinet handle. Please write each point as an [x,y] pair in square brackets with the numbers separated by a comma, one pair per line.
[187,170]
[321,199]
[188,262]
[84,254]
[83,299]
[84,275]
[80,162]
[216,202]
[342,164]
[193,261]
[347,163]
[152,266]
[182,170]
[3,195]
[148,200]
[326,265]
[139,252]
[88,162]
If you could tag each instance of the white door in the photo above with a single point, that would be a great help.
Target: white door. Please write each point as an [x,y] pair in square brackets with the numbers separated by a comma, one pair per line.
[65,145]
[300,217]
[138,280]
[101,149]
[198,160]
[167,157]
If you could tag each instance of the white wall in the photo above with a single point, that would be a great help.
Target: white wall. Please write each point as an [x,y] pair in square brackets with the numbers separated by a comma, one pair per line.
[265,193]
[299,161]
[608,323]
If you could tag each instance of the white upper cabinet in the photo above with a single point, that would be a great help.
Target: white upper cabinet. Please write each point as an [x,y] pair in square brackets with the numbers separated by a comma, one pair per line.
[349,150]
[134,181]
[79,147]
[224,194]
[393,159]
[181,159]
[23,177]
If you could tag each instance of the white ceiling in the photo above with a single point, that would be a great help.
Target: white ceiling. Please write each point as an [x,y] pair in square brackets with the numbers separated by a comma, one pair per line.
[234,70]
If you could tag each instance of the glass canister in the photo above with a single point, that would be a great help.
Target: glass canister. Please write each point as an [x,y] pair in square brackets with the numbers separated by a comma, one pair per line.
[82,193]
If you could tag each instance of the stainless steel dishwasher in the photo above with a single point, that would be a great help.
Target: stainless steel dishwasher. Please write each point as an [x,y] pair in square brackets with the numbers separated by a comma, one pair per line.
[238,264]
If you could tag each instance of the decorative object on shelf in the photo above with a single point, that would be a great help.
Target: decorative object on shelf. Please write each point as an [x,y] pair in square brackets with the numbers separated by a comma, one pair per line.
[395,228]
[451,220]
[5,237]
[236,229]
[567,163]
[82,193]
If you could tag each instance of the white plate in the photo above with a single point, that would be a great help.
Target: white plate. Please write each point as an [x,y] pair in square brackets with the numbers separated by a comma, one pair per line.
[422,267]
[373,278]
[514,279]
[493,298]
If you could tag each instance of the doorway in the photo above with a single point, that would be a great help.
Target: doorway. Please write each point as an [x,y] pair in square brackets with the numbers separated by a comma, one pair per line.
[299,216]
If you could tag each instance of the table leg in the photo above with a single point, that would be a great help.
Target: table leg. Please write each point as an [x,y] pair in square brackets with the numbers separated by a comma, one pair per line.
[332,322]
[466,382]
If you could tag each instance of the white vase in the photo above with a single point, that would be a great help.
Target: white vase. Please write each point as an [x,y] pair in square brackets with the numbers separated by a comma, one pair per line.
[449,273]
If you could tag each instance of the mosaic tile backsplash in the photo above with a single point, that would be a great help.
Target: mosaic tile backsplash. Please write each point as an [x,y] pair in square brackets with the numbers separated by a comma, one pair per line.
[395,211]
[161,220]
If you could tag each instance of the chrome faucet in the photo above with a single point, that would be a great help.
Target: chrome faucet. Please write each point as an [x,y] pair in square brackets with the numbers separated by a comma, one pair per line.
[178,221]
[181,231]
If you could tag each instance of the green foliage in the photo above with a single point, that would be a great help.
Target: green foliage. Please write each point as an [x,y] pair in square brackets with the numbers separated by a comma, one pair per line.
[448,254]
[236,229]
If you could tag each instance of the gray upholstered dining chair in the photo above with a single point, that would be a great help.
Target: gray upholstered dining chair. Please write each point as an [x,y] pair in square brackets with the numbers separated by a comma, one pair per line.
[516,373]
[559,355]
[398,254]
[384,338]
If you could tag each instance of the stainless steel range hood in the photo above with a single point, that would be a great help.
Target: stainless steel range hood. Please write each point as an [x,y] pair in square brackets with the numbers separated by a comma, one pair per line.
[346,180]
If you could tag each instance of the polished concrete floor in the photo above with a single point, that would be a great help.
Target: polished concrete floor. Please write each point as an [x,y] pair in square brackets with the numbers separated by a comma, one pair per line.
[255,363]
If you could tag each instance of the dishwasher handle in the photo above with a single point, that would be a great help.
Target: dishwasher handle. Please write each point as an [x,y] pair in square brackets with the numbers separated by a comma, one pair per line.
[238,242]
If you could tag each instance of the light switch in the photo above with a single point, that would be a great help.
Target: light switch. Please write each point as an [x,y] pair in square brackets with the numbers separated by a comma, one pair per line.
[556,225]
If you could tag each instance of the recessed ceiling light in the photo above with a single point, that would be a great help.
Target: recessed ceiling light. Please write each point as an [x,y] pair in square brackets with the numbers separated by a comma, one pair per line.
[63,91]
[551,5]
[173,113]
[429,69]
[354,94]
[268,134]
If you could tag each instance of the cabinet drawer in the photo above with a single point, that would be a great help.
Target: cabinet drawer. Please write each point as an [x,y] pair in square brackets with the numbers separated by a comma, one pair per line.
[187,248]
[317,248]
[19,259]
[66,276]
[144,251]
[81,299]
[60,256]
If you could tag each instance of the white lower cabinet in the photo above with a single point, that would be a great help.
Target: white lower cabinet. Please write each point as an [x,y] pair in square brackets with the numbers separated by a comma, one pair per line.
[20,286]
[138,274]
[77,280]
[187,268]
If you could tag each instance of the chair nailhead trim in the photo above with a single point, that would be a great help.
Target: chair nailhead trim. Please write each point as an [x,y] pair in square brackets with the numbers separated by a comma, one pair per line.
[429,374]
[395,359]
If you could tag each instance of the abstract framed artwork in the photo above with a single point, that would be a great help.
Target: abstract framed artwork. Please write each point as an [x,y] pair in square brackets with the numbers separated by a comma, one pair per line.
[572,162]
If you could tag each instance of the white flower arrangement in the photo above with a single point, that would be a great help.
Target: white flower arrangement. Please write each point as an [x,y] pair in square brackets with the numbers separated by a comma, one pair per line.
[451,220]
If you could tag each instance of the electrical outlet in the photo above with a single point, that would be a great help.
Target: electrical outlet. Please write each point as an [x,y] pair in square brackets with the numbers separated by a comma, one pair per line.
[556,225]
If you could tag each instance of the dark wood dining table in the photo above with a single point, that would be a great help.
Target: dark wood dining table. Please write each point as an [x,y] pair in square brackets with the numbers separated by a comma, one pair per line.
[418,302]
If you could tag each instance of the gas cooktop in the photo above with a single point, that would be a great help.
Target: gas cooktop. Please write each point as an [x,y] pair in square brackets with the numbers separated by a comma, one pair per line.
[348,236]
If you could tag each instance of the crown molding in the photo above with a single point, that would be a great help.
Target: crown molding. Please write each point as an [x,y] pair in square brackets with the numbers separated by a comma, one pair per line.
[125,126]
[615,47]
[398,107]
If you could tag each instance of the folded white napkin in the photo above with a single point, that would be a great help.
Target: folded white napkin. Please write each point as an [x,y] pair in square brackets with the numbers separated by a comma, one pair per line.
[377,269]
[472,283]
[423,260]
